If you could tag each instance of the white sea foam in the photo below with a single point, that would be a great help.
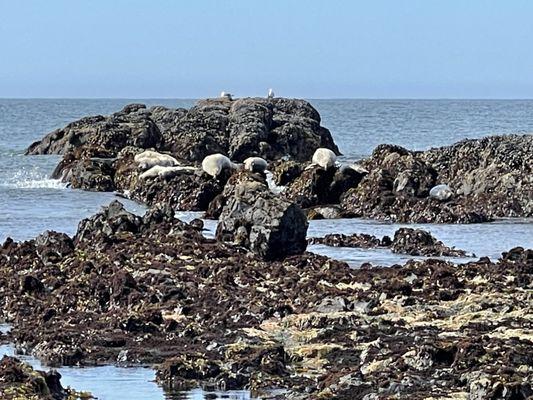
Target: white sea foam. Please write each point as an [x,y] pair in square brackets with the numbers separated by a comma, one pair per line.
[272,185]
[32,179]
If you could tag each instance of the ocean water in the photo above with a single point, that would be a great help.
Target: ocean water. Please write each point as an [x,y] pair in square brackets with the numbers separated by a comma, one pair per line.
[31,202]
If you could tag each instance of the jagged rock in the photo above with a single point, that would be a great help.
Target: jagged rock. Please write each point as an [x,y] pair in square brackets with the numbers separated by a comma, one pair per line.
[131,126]
[268,128]
[53,246]
[266,224]
[319,186]
[325,212]
[414,242]
[111,220]
[286,171]
[19,380]
[361,240]
[417,242]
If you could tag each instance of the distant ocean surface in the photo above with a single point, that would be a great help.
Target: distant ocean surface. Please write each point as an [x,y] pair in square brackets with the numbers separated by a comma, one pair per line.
[31,202]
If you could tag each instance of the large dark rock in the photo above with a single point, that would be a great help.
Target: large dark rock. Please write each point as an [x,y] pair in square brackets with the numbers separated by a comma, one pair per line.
[317,186]
[417,242]
[269,128]
[111,220]
[131,126]
[257,219]
[489,177]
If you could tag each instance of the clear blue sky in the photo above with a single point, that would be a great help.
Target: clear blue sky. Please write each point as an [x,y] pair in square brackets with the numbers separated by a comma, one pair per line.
[313,49]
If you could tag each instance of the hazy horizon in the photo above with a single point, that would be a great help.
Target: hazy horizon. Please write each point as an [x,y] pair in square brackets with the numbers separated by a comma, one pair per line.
[385,49]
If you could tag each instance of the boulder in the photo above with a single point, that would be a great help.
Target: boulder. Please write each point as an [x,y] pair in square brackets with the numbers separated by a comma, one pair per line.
[110,220]
[257,219]
[417,242]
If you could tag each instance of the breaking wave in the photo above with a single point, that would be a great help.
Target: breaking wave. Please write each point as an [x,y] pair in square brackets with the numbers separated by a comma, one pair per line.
[32,179]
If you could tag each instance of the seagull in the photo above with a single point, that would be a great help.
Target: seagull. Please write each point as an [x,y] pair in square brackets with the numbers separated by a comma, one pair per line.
[270,94]
[225,95]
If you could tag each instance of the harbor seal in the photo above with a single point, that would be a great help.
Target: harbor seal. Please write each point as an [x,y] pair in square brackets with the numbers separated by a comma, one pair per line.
[162,171]
[149,158]
[324,158]
[255,164]
[215,164]
[441,192]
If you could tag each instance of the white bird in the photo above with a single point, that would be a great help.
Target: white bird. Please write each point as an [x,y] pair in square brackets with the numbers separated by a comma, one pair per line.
[270,94]
[324,158]
[225,95]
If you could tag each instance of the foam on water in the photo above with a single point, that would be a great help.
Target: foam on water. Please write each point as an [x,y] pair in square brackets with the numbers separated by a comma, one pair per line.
[32,178]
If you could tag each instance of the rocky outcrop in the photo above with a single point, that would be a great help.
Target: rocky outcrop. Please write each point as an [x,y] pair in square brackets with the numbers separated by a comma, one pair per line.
[318,186]
[256,218]
[360,240]
[413,242]
[417,242]
[153,290]
[399,181]
[132,126]
[268,128]
[19,380]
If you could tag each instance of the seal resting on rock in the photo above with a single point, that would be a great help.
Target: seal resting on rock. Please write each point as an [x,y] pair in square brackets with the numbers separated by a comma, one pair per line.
[255,164]
[324,158]
[441,192]
[148,159]
[215,164]
[164,172]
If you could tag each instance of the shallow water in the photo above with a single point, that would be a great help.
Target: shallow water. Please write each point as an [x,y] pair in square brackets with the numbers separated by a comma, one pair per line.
[110,383]
[32,203]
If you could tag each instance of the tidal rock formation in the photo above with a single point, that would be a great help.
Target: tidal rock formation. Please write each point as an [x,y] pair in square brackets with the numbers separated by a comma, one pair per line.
[152,290]
[132,126]
[259,220]
[399,181]
[417,242]
[19,380]
[268,128]
[414,242]
[318,186]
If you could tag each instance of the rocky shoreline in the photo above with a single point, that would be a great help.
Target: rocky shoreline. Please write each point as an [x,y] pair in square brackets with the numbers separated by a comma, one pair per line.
[251,308]
[152,290]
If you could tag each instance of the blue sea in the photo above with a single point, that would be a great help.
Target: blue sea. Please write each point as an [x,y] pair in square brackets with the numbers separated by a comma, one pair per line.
[31,202]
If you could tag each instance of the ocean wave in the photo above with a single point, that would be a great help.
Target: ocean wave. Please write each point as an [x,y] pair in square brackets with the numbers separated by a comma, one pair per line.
[32,179]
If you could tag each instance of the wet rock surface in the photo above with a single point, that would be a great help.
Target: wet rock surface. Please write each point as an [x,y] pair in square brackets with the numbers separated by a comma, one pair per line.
[256,218]
[490,178]
[268,128]
[152,290]
[19,381]
[472,181]
[417,242]
[414,242]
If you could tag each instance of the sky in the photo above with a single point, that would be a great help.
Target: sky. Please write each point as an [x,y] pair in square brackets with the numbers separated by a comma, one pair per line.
[311,48]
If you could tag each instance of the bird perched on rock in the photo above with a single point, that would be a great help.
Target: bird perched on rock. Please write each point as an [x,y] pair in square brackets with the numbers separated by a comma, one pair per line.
[270,94]
[225,95]
[324,158]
